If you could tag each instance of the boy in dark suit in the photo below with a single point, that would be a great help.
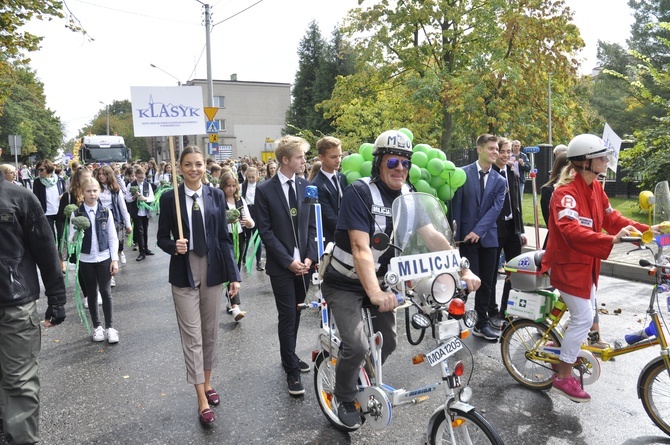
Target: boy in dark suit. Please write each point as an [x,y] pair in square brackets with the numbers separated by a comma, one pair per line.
[330,183]
[476,207]
[287,228]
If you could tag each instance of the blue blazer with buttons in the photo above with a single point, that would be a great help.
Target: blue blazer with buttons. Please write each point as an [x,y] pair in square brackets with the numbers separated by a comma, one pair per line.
[221,265]
[474,214]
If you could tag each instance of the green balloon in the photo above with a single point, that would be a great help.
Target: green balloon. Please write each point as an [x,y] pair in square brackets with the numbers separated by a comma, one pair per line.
[458,178]
[448,165]
[353,176]
[366,151]
[441,155]
[425,175]
[366,168]
[420,159]
[345,163]
[433,153]
[436,182]
[355,162]
[414,174]
[422,186]
[435,166]
[445,192]
[433,191]
[407,132]
[423,148]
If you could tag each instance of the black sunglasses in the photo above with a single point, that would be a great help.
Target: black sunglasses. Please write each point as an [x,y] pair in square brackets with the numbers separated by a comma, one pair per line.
[392,163]
[41,169]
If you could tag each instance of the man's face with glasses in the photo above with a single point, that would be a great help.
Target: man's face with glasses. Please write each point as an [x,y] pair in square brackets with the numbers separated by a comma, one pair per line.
[393,170]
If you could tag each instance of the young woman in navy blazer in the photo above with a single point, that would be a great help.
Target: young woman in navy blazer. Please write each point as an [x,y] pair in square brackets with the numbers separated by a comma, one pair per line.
[197,280]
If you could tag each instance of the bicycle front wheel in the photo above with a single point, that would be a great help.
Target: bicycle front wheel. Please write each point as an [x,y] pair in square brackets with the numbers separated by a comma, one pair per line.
[516,342]
[324,385]
[469,428]
[654,391]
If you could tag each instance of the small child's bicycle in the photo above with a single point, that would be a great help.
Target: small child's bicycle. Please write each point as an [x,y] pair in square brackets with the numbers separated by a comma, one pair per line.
[531,342]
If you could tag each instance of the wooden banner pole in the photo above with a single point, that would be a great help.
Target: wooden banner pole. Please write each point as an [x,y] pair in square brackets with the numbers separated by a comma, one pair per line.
[177,205]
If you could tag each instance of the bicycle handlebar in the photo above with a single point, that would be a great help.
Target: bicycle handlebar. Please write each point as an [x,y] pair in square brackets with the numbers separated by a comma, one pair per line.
[631,239]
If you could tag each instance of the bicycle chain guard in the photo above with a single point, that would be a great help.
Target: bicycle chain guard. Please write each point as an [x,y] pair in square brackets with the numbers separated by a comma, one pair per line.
[375,406]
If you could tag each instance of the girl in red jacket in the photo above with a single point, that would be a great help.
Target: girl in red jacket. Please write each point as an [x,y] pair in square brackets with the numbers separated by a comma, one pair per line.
[579,211]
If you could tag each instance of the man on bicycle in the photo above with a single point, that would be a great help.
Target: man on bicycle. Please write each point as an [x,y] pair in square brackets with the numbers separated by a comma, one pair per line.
[356,269]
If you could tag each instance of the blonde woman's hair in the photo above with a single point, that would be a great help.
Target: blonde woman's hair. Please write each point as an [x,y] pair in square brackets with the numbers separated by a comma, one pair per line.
[567,175]
[228,175]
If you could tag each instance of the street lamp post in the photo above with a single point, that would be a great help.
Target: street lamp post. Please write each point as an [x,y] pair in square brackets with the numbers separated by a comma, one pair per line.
[549,86]
[171,75]
[107,110]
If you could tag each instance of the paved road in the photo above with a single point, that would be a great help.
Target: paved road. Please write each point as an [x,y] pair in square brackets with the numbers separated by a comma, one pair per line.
[135,392]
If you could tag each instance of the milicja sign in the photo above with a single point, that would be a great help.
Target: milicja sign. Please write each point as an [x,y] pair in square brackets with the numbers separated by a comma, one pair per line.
[167,111]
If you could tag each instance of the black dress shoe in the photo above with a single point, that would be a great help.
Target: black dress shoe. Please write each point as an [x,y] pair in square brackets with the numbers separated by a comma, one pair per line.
[260,267]
[140,257]
[148,252]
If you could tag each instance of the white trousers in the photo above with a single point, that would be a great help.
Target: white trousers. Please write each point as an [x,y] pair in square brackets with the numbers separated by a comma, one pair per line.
[582,311]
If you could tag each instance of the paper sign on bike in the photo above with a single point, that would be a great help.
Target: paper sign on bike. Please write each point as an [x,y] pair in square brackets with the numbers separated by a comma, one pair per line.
[440,353]
[409,267]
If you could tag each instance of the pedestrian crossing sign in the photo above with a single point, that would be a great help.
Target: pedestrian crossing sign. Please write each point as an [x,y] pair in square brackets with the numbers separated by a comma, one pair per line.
[212,127]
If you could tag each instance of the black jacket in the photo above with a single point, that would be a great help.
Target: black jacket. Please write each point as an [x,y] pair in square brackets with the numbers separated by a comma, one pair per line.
[27,242]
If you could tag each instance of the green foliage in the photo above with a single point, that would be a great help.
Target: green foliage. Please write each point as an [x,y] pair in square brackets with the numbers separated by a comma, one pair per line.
[320,64]
[646,37]
[453,69]
[650,87]
[25,114]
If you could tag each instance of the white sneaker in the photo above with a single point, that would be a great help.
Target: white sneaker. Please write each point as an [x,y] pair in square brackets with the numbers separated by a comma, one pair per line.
[112,282]
[99,334]
[85,298]
[99,299]
[112,336]
[238,313]
[122,258]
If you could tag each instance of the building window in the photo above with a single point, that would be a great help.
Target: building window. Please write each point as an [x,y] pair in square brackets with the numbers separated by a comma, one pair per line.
[220,101]
[222,124]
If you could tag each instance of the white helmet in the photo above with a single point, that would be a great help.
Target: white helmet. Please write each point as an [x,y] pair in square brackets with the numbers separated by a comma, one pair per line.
[587,146]
[393,142]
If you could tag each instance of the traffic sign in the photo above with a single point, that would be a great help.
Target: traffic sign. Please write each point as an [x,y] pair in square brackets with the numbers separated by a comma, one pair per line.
[212,148]
[210,112]
[212,127]
[214,137]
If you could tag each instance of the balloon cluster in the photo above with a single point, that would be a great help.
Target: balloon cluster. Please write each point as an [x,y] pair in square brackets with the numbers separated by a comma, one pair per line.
[431,172]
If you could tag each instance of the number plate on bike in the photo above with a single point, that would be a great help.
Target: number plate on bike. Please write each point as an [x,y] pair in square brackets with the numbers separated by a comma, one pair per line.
[439,354]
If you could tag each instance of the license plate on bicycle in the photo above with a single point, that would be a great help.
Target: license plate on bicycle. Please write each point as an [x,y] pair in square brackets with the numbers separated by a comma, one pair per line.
[440,353]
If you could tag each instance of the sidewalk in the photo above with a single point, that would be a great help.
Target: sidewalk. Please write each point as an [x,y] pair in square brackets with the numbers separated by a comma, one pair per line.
[620,264]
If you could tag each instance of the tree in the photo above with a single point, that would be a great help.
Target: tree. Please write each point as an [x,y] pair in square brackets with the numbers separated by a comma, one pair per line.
[647,38]
[650,156]
[461,68]
[25,114]
[301,113]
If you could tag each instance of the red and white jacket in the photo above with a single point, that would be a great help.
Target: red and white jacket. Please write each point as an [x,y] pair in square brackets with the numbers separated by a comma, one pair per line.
[578,213]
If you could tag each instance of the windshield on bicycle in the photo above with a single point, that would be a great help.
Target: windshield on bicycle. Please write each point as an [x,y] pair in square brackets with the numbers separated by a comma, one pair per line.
[661,202]
[420,225]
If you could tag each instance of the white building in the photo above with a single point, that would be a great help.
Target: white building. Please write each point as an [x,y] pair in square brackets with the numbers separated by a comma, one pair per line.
[251,116]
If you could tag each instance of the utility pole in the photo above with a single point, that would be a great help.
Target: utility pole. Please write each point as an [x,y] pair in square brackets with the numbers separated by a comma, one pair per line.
[107,110]
[210,83]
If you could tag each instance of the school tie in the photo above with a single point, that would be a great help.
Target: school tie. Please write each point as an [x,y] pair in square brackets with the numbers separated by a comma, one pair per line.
[482,173]
[293,209]
[199,240]
[337,190]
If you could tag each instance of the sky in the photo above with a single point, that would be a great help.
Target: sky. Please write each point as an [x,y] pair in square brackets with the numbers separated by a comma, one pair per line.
[257,40]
